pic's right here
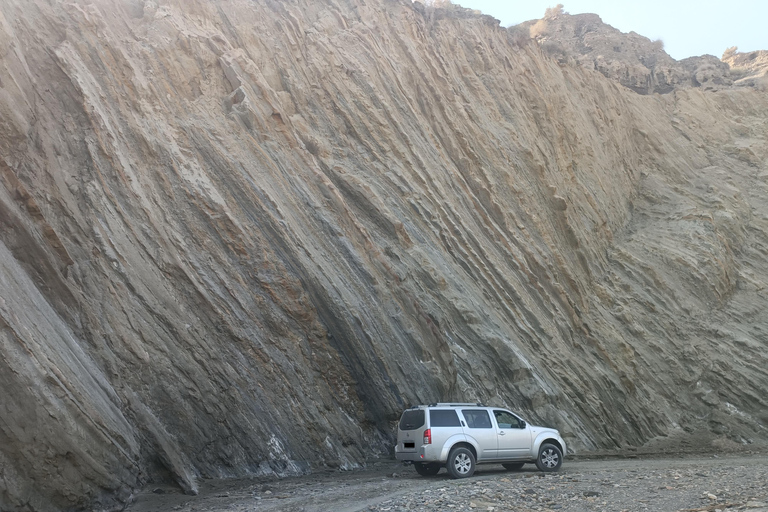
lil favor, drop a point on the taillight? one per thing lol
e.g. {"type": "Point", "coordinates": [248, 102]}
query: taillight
{"type": "Point", "coordinates": [428, 436]}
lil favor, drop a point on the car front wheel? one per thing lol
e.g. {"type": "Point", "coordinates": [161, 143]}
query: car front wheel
{"type": "Point", "coordinates": [550, 458]}
{"type": "Point", "coordinates": [427, 469]}
{"type": "Point", "coordinates": [461, 463]}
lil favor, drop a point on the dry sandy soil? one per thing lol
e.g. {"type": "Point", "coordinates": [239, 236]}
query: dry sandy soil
{"type": "Point", "coordinates": [685, 483]}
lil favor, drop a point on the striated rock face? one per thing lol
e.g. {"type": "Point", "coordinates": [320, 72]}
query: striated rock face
{"type": "Point", "coordinates": [631, 59]}
{"type": "Point", "coordinates": [238, 237]}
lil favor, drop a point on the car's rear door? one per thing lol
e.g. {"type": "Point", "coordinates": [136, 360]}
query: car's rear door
{"type": "Point", "coordinates": [443, 424]}
{"type": "Point", "coordinates": [479, 426]}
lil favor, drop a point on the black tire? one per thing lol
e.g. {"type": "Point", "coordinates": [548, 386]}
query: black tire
{"type": "Point", "coordinates": [550, 458]}
{"type": "Point", "coordinates": [427, 468]}
{"type": "Point", "coordinates": [514, 466]}
{"type": "Point", "coordinates": [461, 463]}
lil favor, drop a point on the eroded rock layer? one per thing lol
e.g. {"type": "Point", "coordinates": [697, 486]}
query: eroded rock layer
{"type": "Point", "coordinates": [238, 237]}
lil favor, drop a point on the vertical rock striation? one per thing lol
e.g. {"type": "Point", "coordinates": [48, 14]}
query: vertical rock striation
{"type": "Point", "coordinates": [239, 237]}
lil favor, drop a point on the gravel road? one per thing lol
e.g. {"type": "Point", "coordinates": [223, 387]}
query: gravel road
{"type": "Point", "coordinates": [656, 484]}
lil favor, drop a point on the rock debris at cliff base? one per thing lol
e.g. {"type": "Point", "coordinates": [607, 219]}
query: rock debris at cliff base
{"type": "Point", "coordinates": [672, 483]}
{"type": "Point", "coordinates": [238, 238]}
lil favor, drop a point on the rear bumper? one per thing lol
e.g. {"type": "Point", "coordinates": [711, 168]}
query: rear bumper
{"type": "Point", "coordinates": [424, 453]}
{"type": "Point", "coordinates": [411, 455]}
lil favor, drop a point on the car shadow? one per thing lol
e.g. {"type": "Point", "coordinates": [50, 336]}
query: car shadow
{"type": "Point", "coordinates": [488, 470]}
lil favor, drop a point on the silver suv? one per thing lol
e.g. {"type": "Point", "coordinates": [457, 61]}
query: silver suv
{"type": "Point", "coordinates": [459, 436]}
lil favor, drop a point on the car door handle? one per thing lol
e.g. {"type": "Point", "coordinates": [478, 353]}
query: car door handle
{"type": "Point", "coordinates": [502, 433]}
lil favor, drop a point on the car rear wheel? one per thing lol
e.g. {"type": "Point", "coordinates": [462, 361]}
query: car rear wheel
{"type": "Point", "coordinates": [461, 463]}
{"type": "Point", "coordinates": [514, 466]}
{"type": "Point", "coordinates": [550, 458]}
{"type": "Point", "coordinates": [427, 469]}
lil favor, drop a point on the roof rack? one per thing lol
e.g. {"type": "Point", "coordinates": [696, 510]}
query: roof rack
{"type": "Point", "coordinates": [456, 404]}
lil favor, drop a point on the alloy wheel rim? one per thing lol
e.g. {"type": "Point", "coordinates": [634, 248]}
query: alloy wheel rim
{"type": "Point", "coordinates": [462, 463]}
{"type": "Point", "coordinates": [549, 458]}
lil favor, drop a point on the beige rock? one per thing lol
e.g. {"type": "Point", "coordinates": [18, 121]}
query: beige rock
{"type": "Point", "coordinates": [239, 238]}
{"type": "Point", "coordinates": [748, 68]}
{"type": "Point", "coordinates": [631, 59]}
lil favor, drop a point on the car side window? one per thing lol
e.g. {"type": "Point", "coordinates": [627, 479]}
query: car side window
{"type": "Point", "coordinates": [443, 418]}
{"type": "Point", "coordinates": [506, 420]}
{"type": "Point", "coordinates": [477, 418]}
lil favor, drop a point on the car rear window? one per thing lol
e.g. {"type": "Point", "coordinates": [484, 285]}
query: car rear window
{"type": "Point", "coordinates": [412, 419]}
{"type": "Point", "coordinates": [443, 418]}
{"type": "Point", "coordinates": [477, 418]}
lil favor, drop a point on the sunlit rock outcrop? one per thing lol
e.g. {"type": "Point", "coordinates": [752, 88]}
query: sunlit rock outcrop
{"type": "Point", "coordinates": [748, 69]}
{"type": "Point", "coordinates": [239, 237]}
{"type": "Point", "coordinates": [631, 59]}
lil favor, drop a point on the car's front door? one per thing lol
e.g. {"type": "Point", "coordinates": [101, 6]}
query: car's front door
{"type": "Point", "coordinates": [514, 436]}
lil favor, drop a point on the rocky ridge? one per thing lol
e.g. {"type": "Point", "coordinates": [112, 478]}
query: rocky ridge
{"type": "Point", "coordinates": [748, 68]}
{"type": "Point", "coordinates": [239, 237]}
{"type": "Point", "coordinates": [631, 59]}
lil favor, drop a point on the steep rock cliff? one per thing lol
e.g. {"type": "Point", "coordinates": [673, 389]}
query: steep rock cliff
{"type": "Point", "coordinates": [240, 236]}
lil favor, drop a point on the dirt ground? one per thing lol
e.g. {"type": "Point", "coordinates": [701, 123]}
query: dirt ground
{"type": "Point", "coordinates": [679, 483]}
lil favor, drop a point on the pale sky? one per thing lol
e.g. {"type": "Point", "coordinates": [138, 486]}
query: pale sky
{"type": "Point", "coordinates": [687, 27]}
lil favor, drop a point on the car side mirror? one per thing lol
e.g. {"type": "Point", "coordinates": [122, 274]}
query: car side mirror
{"type": "Point", "coordinates": [522, 423]}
